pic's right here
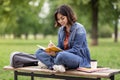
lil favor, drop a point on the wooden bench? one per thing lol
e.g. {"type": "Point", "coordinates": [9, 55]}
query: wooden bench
{"type": "Point", "coordinates": [35, 71]}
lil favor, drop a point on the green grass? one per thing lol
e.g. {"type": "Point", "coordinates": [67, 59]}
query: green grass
{"type": "Point", "coordinates": [107, 53]}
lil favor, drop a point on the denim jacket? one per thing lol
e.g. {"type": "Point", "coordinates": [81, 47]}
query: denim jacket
{"type": "Point", "coordinates": [77, 43]}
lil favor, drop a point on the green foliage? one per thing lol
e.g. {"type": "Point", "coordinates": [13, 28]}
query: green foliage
{"type": "Point", "coordinates": [105, 32]}
{"type": "Point", "coordinates": [82, 8]}
{"type": "Point", "coordinates": [21, 16]}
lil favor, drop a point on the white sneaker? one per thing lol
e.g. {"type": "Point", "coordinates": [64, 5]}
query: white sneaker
{"type": "Point", "coordinates": [42, 65]}
{"type": "Point", "coordinates": [59, 68]}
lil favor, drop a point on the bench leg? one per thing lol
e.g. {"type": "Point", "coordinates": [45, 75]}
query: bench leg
{"type": "Point", "coordinates": [15, 75]}
{"type": "Point", "coordinates": [112, 77]}
{"type": "Point", "coordinates": [32, 76]}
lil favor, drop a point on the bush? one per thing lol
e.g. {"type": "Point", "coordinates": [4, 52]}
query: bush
{"type": "Point", "coordinates": [105, 32]}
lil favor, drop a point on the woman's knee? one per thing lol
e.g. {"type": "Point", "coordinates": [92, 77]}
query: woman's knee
{"type": "Point", "coordinates": [40, 53]}
{"type": "Point", "coordinates": [61, 55]}
{"type": "Point", "coordinates": [37, 52]}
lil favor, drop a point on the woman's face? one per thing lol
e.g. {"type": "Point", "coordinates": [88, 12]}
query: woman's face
{"type": "Point", "coordinates": [62, 20]}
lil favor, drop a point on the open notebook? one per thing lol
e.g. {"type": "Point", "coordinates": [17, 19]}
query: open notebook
{"type": "Point", "coordinates": [48, 49]}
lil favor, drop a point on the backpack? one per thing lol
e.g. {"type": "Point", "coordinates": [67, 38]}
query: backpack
{"type": "Point", "coordinates": [20, 59]}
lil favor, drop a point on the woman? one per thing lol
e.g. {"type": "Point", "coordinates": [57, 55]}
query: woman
{"type": "Point", "coordinates": [71, 39]}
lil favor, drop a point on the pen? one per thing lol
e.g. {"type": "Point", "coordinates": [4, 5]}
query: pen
{"type": "Point", "coordinates": [50, 41]}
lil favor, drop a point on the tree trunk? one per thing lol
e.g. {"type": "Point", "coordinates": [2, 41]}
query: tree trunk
{"type": "Point", "coordinates": [116, 31]}
{"type": "Point", "coordinates": [26, 36]}
{"type": "Point", "coordinates": [116, 25]}
{"type": "Point", "coordinates": [94, 35]}
{"type": "Point", "coordinates": [35, 36]}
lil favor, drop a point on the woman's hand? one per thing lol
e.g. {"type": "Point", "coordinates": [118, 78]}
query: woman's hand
{"type": "Point", "coordinates": [51, 53]}
{"type": "Point", "coordinates": [51, 44]}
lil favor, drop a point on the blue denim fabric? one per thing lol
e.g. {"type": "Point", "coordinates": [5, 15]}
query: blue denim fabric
{"type": "Point", "coordinates": [45, 58]}
{"type": "Point", "coordinates": [77, 55]}
{"type": "Point", "coordinates": [77, 43]}
{"type": "Point", "coordinates": [69, 60]}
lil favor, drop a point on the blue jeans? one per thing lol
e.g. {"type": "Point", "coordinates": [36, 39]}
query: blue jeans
{"type": "Point", "coordinates": [69, 60]}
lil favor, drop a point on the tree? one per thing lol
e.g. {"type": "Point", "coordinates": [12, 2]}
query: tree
{"type": "Point", "coordinates": [94, 4]}
{"type": "Point", "coordinates": [109, 14]}
{"type": "Point", "coordinates": [116, 8]}
{"type": "Point", "coordinates": [20, 16]}
{"type": "Point", "coordinates": [88, 9]}
{"type": "Point", "coordinates": [99, 10]}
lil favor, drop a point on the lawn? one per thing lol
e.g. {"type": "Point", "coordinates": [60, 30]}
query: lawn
{"type": "Point", "coordinates": [107, 53]}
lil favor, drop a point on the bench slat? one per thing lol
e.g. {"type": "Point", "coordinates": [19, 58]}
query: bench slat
{"type": "Point", "coordinates": [99, 74]}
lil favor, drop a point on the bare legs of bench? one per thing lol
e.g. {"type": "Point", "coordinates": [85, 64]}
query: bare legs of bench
{"type": "Point", "coordinates": [32, 75]}
{"type": "Point", "coordinates": [15, 75]}
{"type": "Point", "coordinates": [112, 77]}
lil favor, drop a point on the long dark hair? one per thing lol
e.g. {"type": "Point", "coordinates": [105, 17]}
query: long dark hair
{"type": "Point", "coordinates": [65, 11]}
